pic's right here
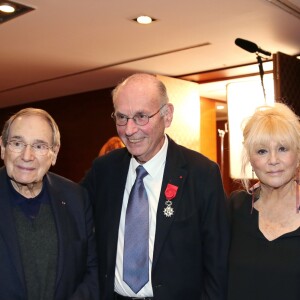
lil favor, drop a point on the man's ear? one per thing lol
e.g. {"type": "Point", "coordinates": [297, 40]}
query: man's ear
{"type": "Point", "coordinates": [168, 114]}
{"type": "Point", "coordinates": [55, 151]}
{"type": "Point", "coordinates": [2, 148]}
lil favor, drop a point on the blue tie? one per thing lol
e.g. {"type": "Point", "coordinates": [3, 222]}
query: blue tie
{"type": "Point", "coordinates": [136, 238]}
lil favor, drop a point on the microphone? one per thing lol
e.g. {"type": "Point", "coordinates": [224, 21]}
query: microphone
{"type": "Point", "coordinates": [251, 47]}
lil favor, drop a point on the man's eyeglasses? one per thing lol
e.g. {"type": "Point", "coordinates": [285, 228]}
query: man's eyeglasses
{"type": "Point", "coordinates": [139, 119]}
{"type": "Point", "coordinates": [19, 146]}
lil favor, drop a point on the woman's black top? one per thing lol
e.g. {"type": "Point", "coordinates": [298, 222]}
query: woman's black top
{"type": "Point", "coordinates": [260, 269]}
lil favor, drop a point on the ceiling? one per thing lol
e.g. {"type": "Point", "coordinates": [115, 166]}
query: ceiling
{"type": "Point", "coordinates": [64, 47]}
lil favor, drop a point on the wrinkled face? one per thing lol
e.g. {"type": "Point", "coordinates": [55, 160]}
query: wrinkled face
{"type": "Point", "coordinates": [143, 142]}
{"type": "Point", "coordinates": [275, 164]}
{"type": "Point", "coordinates": [27, 166]}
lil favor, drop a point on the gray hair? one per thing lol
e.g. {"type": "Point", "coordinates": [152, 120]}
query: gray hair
{"type": "Point", "coordinates": [32, 112]}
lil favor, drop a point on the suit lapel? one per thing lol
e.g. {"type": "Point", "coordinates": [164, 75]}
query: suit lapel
{"type": "Point", "coordinates": [58, 206]}
{"type": "Point", "coordinates": [114, 207]}
{"type": "Point", "coordinates": [8, 229]}
{"type": "Point", "coordinates": [174, 174]}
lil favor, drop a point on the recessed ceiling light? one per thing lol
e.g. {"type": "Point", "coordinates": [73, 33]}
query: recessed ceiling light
{"type": "Point", "coordinates": [144, 20]}
{"type": "Point", "coordinates": [10, 10]}
{"type": "Point", "coordinates": [7, 8]}
{"type": "Point", "coordinates": [220, 107]}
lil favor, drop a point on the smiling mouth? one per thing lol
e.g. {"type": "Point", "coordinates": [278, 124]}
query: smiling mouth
{"type": "Point", "coordinates": [134, 141]}
{"type": "Point", "coordinates": [25, 168]}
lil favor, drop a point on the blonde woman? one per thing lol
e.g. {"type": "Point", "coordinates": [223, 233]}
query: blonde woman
{"type": "Point", "coordinates": [265, 247]}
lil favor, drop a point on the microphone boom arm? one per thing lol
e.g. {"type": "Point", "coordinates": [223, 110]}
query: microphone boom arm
{"type": "Point", "coordinates": [261, 72]}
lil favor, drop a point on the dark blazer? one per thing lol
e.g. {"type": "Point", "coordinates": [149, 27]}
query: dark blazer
{"type": "Point", "coordinates": [191, 247]}
{"type": "Point", "coordinates": [77, 264]}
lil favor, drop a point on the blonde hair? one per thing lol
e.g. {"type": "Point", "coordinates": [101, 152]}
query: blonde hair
{"type": "Point", "coordinates": [269, 123]}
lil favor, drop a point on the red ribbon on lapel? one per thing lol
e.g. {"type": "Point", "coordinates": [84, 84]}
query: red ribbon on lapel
{"type": "Point", "coordinates": [171, 191]}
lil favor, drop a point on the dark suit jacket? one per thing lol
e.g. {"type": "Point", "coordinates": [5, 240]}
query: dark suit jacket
{"type": "Point", "coordinates": [77, 264]}
{"type": "Point", "coordinates": [190, 251]}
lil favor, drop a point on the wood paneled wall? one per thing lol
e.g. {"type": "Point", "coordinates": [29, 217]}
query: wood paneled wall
{"type": "Point", "coordinates": [85, 125]}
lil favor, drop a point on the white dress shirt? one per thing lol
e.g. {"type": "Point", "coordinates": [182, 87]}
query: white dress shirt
{"type": "Point", "coordinates": [153, 181]}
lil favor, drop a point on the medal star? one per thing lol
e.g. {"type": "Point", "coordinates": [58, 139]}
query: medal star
{"type": "Point", "coordinates": [168, 211]}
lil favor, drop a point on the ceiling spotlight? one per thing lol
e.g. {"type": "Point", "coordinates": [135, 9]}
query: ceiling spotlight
{"type": "Point", "coordinates": [7, 8]}
{"type": "Point", "coordinates": [10, 10]}
{"type": "Point", "coordinates": [144, 20]}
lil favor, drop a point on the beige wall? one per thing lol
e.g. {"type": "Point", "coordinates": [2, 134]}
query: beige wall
{"type": "Point", "coordinates": [194, 125]}
{"type": "Point", "coordinates": [185, 128]}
